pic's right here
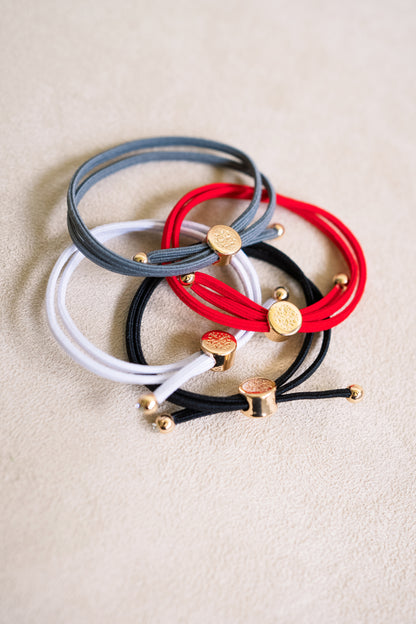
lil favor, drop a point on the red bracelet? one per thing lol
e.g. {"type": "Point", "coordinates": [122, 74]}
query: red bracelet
{"type": "Point", "coordinates": [243, 313]}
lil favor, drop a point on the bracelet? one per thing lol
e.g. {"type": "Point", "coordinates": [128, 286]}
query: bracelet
{"type": "Point", "coordinates": [197, 405]}
{"type": "Point", "coordinates": [181, 259]}
{"type": "Point", "coordinates": [97, 361]}
{"type": "Point", "coordinates": [283, 319]}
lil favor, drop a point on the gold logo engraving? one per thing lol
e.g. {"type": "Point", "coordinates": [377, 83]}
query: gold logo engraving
{"type": "Point", "coordinates": [217, 341]}
{"type": "Point", "coordinates": [224, 240]}
{"type": "Point", "coordinates": [257, 385]}
{"type": "Point", "coordinates": [285, 318]}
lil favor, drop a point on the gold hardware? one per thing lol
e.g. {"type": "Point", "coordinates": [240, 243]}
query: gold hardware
{"type": "Point", "coordinates": [225, 241]}
{"type": "Point", "coordinates": [141, 257]}
{"type": "Point", "coordinates": [261, 397]}
{"type": "Point", "coordinates": [188, 279]}
{"type": "Point", "coordinates": [280, 293]}
{"type": "Point", "coordinates": [357, 393]}
{"type": "Point", "coordinates": [221, 346]}
{"type": "Point", "coordinates": [285, 320]}
{"type": "Point", "coordinates": [165, 423]}
{"type": "Point", "coordinates": [341, 280]}
{"type": "Point", "coordinates": [280, 230]}
{"type": "Point", "coordinates": [148, 403]}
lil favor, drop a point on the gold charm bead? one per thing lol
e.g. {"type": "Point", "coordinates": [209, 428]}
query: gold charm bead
{"type": "Point", "coordinates": [164, 423]}
{"type": "Point", "coordinates": [341, 279]}
{"type": "Point", "coordinates": [188, 279]}
{"type": "Point", "coordinates": [280, 230]}
{"type": "Point", "coordinates": [221, 346]}
{"type": "Point", "coordinates": [357, 393]}
{"type": "Point", "coordinates": [280, 293]}
{"type": "Point", "coordinates": [147, 403]}
{"type": "Point", "coordinates": [285, 320]}
{"type": "Point", "coordinates": [225, 241]}
{"type": "Point", "coordinates": [141, 257]}
{"type": "Point", "coordinates": [261, 397]}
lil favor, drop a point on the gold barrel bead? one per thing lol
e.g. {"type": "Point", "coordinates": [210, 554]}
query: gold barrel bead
{"type": "Point", "coordinates": [260, 394]}
{"type": "Point", "coordinates": [221, 346]}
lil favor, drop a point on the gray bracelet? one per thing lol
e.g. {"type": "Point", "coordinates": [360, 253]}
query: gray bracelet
{"type": "Point", "coordinates": [186, 259]}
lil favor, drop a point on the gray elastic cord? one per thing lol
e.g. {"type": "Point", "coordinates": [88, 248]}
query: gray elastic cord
{"type": "Point", "coordinates": [249, 237]}
{"type": "Point", "coordinates": [190, 258]}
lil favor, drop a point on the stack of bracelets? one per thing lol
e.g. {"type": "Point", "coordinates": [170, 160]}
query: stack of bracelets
{"type": "Point", "coordinates": [242, 313]}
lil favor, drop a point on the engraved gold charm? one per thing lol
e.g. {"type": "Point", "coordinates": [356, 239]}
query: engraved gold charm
{"type": "Point", "coordinates": [221, 346]}
{"type": "Point", "coordinates": [261, 397]}
{"type": "Point", "coordinates": [285, 319]}
{"type": "Point", "coordinates": [225, 241]}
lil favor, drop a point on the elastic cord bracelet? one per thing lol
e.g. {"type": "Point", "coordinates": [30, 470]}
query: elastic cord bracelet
{"type": "Point", "coordinates": [331, 310]}
{"type": "Point", "coordinates": [182, 259]}
{"type": "Point", "coordinates": [171, 376]}
{"type": "Point", "coordinates": [198, 405]}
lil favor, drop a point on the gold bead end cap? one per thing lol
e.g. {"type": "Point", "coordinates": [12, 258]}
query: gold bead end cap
{"type": "Point", "coordinates": [260, 394]}
{"type": "Point", "coordinates": [280, 293]}
{"type": "Point", "coordinates": [357, 393]}
{"type": "Point", "coordinates": [164, 423]}
{"type": "Point", "coordinates": [225, 242]}
{"type": "Point", "coordinates": [279, 228]}
{"type": "Point", "coordinates": [221, 346]}
{"type": "Point", "coordinates": [141, 257]}
{"type": "Point", "coordinates": [285, 319]}
{"type": "Point", "coordinates": [341, 279]}
{"type": "Point", "coordinates": [147, 403]}
{"type": "Point", "coordinates": [187, 280]}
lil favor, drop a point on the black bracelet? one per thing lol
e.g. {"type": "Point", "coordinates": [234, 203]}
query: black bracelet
{"type": "Point", "coordinates": [197, 405]}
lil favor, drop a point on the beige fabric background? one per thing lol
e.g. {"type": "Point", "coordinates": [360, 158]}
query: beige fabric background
{"type": "Point", "coordinates": [308, 517]}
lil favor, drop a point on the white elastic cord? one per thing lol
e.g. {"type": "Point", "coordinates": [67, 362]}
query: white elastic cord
{"type": "Point", "coordinates": [105, 365]}
{"type": "Point", "coordinates": [268, 303]}
{"type": "Point", "coordinates": [201, 365]}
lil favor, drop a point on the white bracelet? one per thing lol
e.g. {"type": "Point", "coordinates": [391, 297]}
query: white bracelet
{"type": "Point", "coordinates": [171, 376]}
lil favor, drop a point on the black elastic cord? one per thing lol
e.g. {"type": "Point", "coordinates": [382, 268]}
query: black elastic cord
{"type": "Point", "coordinates": [197, 405]}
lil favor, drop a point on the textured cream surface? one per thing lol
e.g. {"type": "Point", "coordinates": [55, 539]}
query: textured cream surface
{"type": "Point", "coordinates": [306, 517]}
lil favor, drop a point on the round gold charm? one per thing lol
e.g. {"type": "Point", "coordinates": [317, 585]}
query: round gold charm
{"type": "Point", "coordinates": [261, 396]}
{"type": "Point", "coordinates": [285, 319]}
{"type": "Point", "coordinates": [222, 346]}
{"type": "Point", "coordinates": [225, 241]}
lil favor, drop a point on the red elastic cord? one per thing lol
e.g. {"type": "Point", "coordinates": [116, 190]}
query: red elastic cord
{"type": "Point", "coordinates": [243, 313]}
